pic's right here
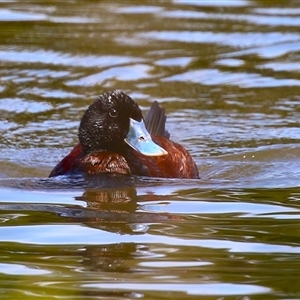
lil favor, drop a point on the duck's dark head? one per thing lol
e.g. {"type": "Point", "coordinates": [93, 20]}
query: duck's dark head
{"type": "Point", "coordinates": [114, 121]}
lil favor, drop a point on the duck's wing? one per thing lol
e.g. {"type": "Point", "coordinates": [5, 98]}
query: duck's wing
{"type": "Point", "coordinates": [155, 121]}
{"type": "Point", "coordinates": [69, 163]}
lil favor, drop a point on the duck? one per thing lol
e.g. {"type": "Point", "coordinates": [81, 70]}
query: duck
{"type": "Point", "coordinates": [115, 138]}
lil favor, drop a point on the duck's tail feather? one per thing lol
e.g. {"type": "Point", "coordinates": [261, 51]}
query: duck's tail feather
{"type": "Point", "coordinates": [155, 121]}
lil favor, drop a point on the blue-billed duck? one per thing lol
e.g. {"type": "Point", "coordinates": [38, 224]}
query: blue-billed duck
{"type": "Point", "coordinates": [115, 138]}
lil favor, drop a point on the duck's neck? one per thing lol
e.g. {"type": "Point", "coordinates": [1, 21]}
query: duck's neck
{"type": "Point", "coordinates": [135, 164]}
{"type": "Point", "coordinates": [88, 148]}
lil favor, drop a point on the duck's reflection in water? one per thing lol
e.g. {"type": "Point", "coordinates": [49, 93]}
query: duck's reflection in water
{"type": "Point", "coordinates": [110, 203]}
{"type": "Point", "coordinates": [115, 206]}
{"type": "Point", "coordinates": [120, 258]}
{"type": "Point", "coordinates": [118, 210]}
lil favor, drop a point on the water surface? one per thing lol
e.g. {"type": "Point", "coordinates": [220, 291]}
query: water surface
{"type": "Point", "coordinates": [227, 73]}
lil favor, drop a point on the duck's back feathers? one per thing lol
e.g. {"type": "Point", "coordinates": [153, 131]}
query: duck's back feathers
{"type": "Point", "coordinates": [69, 163]}
{"type": "Point", "coordinates": [177, 164]}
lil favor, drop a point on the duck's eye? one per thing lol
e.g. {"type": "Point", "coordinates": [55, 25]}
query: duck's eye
{"type": "Point", "coordinates": [113, 113]}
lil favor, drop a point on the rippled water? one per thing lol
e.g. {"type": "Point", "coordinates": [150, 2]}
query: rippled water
{"type": "Point", "coordinates": [227, 73]}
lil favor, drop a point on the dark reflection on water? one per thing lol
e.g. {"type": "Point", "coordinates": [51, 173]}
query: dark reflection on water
{"type": "Point", "coordinates": [227, 73]}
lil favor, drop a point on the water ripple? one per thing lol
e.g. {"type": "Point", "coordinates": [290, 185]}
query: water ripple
{"type": "Point", "coordinates": [216, 77]}
{"type": "Point", "coordinates": [57, 58]}
{"type": "Point", "coordinates": [234, 39]}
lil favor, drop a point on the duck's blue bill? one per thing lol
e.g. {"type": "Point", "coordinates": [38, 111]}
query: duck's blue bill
{"type": "Point", "coordinates": [140, 140]}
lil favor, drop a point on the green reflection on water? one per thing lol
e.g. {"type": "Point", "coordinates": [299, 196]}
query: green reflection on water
{"type": "Point", "coordinates": [228, 78]}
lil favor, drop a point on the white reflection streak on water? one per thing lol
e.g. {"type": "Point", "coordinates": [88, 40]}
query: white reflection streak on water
{"type": "Point", "coordinates": [76, 235]}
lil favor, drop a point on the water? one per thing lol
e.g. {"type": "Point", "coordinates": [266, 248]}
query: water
{"type": "Point", "coordinates": [227, 73]}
